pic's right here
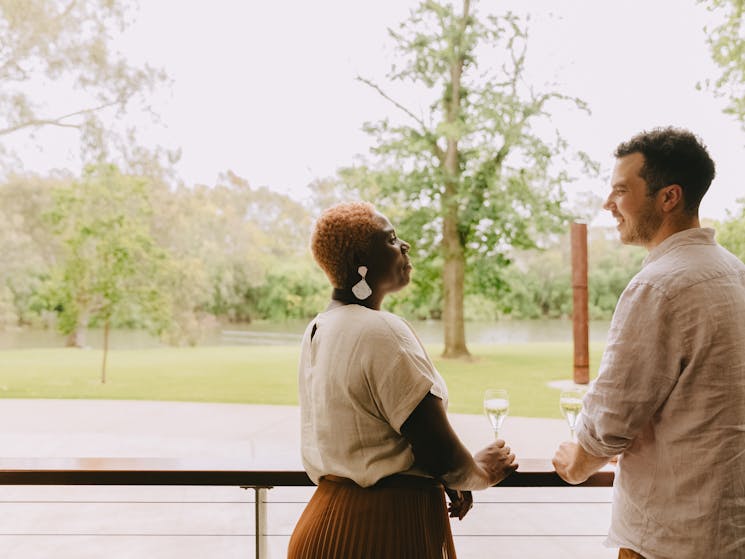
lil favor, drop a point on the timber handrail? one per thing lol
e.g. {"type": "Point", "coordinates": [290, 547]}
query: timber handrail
{"type": "Point", "coordinates": [163, 471]}
{"type": "Point", "coordinates": [185, 472]}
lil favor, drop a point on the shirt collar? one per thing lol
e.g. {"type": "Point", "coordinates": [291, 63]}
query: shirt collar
{"type": "Point", "coordinates": [693, 236]}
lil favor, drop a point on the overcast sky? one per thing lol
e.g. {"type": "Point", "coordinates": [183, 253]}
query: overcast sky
{"type": "Point", "coordinates": [267, 89]}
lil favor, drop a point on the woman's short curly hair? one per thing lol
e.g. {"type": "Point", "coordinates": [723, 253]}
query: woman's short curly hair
{"type": "Point", "coordinates": [341, 232]}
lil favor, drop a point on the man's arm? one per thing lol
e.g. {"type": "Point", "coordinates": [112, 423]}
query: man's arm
{"type": "Point", "coordinates": [574, 464]}
{"type": "Point", "coordinates": [639, 368]}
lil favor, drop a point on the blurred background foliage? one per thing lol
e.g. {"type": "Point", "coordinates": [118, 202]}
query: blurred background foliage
{"type": "Point", "coordinates": [123, 243]}
{"type": "Point", "coordinates": [235, 253]}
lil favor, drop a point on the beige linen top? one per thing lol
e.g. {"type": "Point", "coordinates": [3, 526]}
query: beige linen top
{"type": "Point", "coordinates": [670, 397]}
{"type": "Point", "coordinates": [360, 377]}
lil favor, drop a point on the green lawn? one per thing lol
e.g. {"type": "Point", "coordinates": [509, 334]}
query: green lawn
{"type": "Point", "coordinates": [267, 375]}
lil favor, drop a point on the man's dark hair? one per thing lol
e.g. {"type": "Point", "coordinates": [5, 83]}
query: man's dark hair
{"type": "Point", "coordinates": [673, 156]}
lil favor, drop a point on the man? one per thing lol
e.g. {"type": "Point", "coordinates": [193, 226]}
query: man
{"type": "Point", "coordinates": [670, 395]}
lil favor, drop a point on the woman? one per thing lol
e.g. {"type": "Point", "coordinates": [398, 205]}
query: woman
{"type": "Point", "coordinates": [375, 435]}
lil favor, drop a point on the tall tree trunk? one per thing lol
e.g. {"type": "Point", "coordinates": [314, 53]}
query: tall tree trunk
{"type": "Point", "coordinates": [453, 250]}
{"type": "Point", "coordinates": [105, 350]}
{"type": "Point", "coordinates": [78, 338]}
{"type": "Point", "coordinates": [453, 275]}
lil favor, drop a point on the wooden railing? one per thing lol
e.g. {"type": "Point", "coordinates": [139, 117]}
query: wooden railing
{"type": "Point", "coordinates": [169, 472]}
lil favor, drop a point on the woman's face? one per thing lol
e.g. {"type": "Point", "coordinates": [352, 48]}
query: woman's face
{"type": "Point", "coordinates": [388, 266]}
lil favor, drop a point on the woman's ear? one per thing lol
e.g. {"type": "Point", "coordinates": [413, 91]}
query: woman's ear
{"type": "Point", "coordinates": [358, 259]}
{"type": "Point", "coordinates": [353, 265]}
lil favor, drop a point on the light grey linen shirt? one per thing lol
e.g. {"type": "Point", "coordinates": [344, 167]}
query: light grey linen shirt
{"type": "Point", "coordinates": [670, 398]}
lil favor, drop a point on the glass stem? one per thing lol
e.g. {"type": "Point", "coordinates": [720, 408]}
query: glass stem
{"type": "Point", "coordinates": [572, 435]}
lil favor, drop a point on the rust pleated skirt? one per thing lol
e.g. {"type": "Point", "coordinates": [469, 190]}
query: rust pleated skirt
{"type": "Point", "coordinates": [402, 517]}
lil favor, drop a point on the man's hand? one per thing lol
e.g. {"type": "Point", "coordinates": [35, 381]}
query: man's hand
{"type": "Point", "coordinates": [574, 464]}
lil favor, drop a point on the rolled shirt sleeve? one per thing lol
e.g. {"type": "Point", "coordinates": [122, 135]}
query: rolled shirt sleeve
{"type": "Point", "coordinates": [640, 366]}
{"type": "Point", "coordinates": [399, 373]}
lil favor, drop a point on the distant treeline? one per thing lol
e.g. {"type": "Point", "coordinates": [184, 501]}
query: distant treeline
{"type": "Point", "coordinates": [140, 253]}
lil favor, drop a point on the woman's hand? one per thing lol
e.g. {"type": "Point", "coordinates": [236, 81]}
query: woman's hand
{"type": "Point", "coordinates": [439, 451]}
{"type": "Point", "coordinates": [497, 460]}
{"type": "Point", "coordinates": [460, 502]}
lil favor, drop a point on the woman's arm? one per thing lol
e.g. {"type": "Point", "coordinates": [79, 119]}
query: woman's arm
{"type": "Point", "coordinates": [439, 451]}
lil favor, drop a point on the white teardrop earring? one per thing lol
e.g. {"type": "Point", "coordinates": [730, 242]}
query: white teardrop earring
{"type": "Point", "coordinates": [361, 289]}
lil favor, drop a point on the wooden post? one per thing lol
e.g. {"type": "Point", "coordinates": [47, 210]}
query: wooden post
{"type": "Point", "coordinates": [580, 305]}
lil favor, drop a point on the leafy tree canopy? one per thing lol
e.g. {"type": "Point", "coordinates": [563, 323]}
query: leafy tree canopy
{"type": "Point", "coordinates": [731, 232]}
{"type": "Point", "coordinates": [66, 45]}
{"type": "Point", "coordinates": [727, 45]}
{"type": "Point", "coordinates": [478, 170]}
{"type": "Point", "coordinates": [111, 266]}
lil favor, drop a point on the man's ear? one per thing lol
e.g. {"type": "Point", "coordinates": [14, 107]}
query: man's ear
{"type": "Point", "coordinates": [671, 197]}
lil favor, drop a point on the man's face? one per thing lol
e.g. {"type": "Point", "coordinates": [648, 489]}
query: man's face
{"type": "Point", "coordinates": [635, 211]}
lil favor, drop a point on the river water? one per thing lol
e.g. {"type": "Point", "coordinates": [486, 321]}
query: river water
{"type": "Point", "coordinates": [282, 333]}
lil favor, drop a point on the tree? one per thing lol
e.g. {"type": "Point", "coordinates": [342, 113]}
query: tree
{"type": "Point", "coordinates": [727, 46]}
{"type": "Point", "coordinates": [28, 248]}
{"type": "Point", "coordinates": [230, 241]}
{"type": "Point", "coordinates": [471, 177]}
{"type": "Point", "coordinates": [293, 289]}
{"type": "Point", "coordinates": [112, 268]}
{"type": "Point", "coordinates": [731, 232]}
{"type": "Point", "coordinates": [65, 45]}
{"type": "Point", "coordinates": [540, 280]}
{"type": "Point", "coordinates": [611, 267]}
{"type": "Point", "coordinates": [540, 283]}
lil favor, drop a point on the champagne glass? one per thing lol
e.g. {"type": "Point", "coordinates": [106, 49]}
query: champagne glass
{"type": "Point", "coordinates": [570, 404]}
{"type": "Point", "coordinates": [496, 406]}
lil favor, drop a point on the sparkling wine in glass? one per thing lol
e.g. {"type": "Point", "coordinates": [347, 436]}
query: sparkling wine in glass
{"type": "Point", "coordinates": [496, 407]}
{"type": "Point", "coordinates": [570, 403]}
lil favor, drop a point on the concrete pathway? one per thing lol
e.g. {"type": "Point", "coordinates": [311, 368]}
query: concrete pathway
{"type": "Point", "coordinates": [162, 522]}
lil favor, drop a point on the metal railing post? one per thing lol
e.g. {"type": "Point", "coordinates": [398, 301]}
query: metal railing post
{"type": "Point", "coordinates": [260, 520]}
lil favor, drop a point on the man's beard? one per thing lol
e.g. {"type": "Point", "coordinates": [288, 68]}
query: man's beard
{"type": "Point", "coordinates": [644, 227]}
